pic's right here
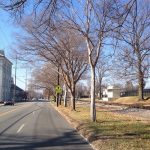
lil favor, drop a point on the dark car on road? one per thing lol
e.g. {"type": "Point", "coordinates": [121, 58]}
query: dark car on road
{"type": "Point", "coordinates": [8, 102]}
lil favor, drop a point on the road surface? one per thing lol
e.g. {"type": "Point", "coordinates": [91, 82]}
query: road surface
{"type": "Point", "coordinates": [37, 126]}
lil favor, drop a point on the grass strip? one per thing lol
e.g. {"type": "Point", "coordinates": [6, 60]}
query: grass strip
{"type": "Point", "coordinates": [111, 131]}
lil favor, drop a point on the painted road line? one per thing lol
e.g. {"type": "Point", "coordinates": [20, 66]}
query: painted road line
{"type": "Point", "coordinates": [21, 127]}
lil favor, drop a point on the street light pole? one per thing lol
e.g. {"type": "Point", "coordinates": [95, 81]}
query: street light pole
{"type": "Point", "coordinates": [14, 97]}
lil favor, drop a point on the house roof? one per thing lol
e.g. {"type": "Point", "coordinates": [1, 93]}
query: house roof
{"type": "Point", "coordinates": [2, 55]}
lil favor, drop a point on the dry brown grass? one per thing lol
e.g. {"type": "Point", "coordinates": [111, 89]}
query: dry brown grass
{"type": "Point", "coordinates": [131, 100]}
{"type": "Point", "coordinates": [111, 131]}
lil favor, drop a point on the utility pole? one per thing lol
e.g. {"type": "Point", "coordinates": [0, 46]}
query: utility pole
{"type": "Point", "coordinates": [14, 96]}
{"type": "Point", "coordinates": [58, 84]}
{"type": "Point", "coordinates": [26, 80]}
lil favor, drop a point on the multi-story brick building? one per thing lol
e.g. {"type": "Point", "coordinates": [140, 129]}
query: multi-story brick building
{"type": "Point", "coordinates": [5, 77]}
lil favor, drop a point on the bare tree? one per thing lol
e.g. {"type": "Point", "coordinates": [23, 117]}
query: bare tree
{"type": "Point", "coordinates": [134, 36]}
{"type": "Point", "coordinates": [64, 48]}
{"type": "Point", "coordinates": [41, 9]}
{"type": "Point", "coordinates": [46, 78]}
{"type": "Point", "coordinates": [102, 68]}
{"type": "Point", "coordinates": [94, 22]}
{"type": "Point", "coordinates": [129, 86]}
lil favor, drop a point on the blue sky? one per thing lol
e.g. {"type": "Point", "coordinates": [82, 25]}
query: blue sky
{"type": "Point", "coordinates": [7, 40]}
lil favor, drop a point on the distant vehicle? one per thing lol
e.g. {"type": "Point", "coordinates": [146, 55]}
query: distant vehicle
{"type": "Point", "coordinates": [8, 102]}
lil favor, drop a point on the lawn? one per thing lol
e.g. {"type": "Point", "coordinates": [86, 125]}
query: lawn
{"type": "Point", "coordinates": [111, 131]}
{"type": "Point", "coordinates": [132, 100]}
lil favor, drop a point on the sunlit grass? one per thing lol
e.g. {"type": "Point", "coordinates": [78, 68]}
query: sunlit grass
{"type": "Point", "coordinates": [111, 131]}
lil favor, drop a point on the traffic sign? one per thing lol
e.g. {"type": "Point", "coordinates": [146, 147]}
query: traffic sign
{"type": "Point", "coordinates": [58, 89]}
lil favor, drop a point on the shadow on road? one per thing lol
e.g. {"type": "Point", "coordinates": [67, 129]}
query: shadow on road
{"type": "Point", "coordinates": [67, 141]}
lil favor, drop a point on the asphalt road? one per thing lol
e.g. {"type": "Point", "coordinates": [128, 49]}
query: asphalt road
{"type": "Point", "coordinates": [37, 126]}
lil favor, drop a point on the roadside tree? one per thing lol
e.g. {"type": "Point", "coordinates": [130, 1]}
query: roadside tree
{"type": "Point", "coordinates": [103, 67]}
{"type": "Point", "coordinates": [134, 51]}
{"type": "Point", "coordinates": [95, 22]}
{"type": "Point", "coordinates": [93, 19]}
{"type": "Point", "coordinates": [61, 47]}
{"type": "Point", "coordinates": [46, 78]}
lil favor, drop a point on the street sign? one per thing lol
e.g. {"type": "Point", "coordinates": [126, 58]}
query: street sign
{"type": "Point", "coordinates": [58, 89]}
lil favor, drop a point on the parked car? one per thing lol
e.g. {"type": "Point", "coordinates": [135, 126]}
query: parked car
{"type": "Point", "coordinates": [8, 102]}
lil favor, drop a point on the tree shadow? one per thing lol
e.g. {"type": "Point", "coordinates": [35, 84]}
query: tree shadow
{"type": "Point", "coordinates": [69, 140]}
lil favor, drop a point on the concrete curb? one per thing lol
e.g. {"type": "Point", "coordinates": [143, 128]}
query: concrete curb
{"type": "Point", "coordinates": [68, 120]}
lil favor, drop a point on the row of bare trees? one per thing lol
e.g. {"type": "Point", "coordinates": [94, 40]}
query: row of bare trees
{"type": "Point", "coordinates": [61, 47]}
{"type": "Point", "coordinates": [45, 78]}
{"type": "Point", "coordinates": [73, 34]}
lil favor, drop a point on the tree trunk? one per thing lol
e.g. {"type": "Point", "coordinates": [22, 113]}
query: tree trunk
{"type": "Point", "coordinates": [141, 86]}
{"type": "Point", "coordinates": [57, 99]}
{"type": "Point", "coordinates": [140, 78]}
{"type": "Point", "coordinates": [73, 108]}
{"type": "Point", "coordinates": [60, 96]}
{"type": "Point", "coordinates": [65, 96]}
{"type": "Point", "coordinates": [48, 94]}
{"type": "Point", "coordinates": [100, 89]}
{"type": "Point", "coordinates": [93, 107]}
{"type": "Point", "coordinates": [65, 99]}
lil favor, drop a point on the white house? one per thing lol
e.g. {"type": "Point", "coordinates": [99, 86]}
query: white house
{"type": "Point", "coordinates": [111, 93]}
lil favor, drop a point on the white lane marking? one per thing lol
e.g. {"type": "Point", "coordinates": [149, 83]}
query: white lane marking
{"type": "Point", "coordinates": [33, 113]}
{"type": "Point", "coordinates": [21, 127]}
